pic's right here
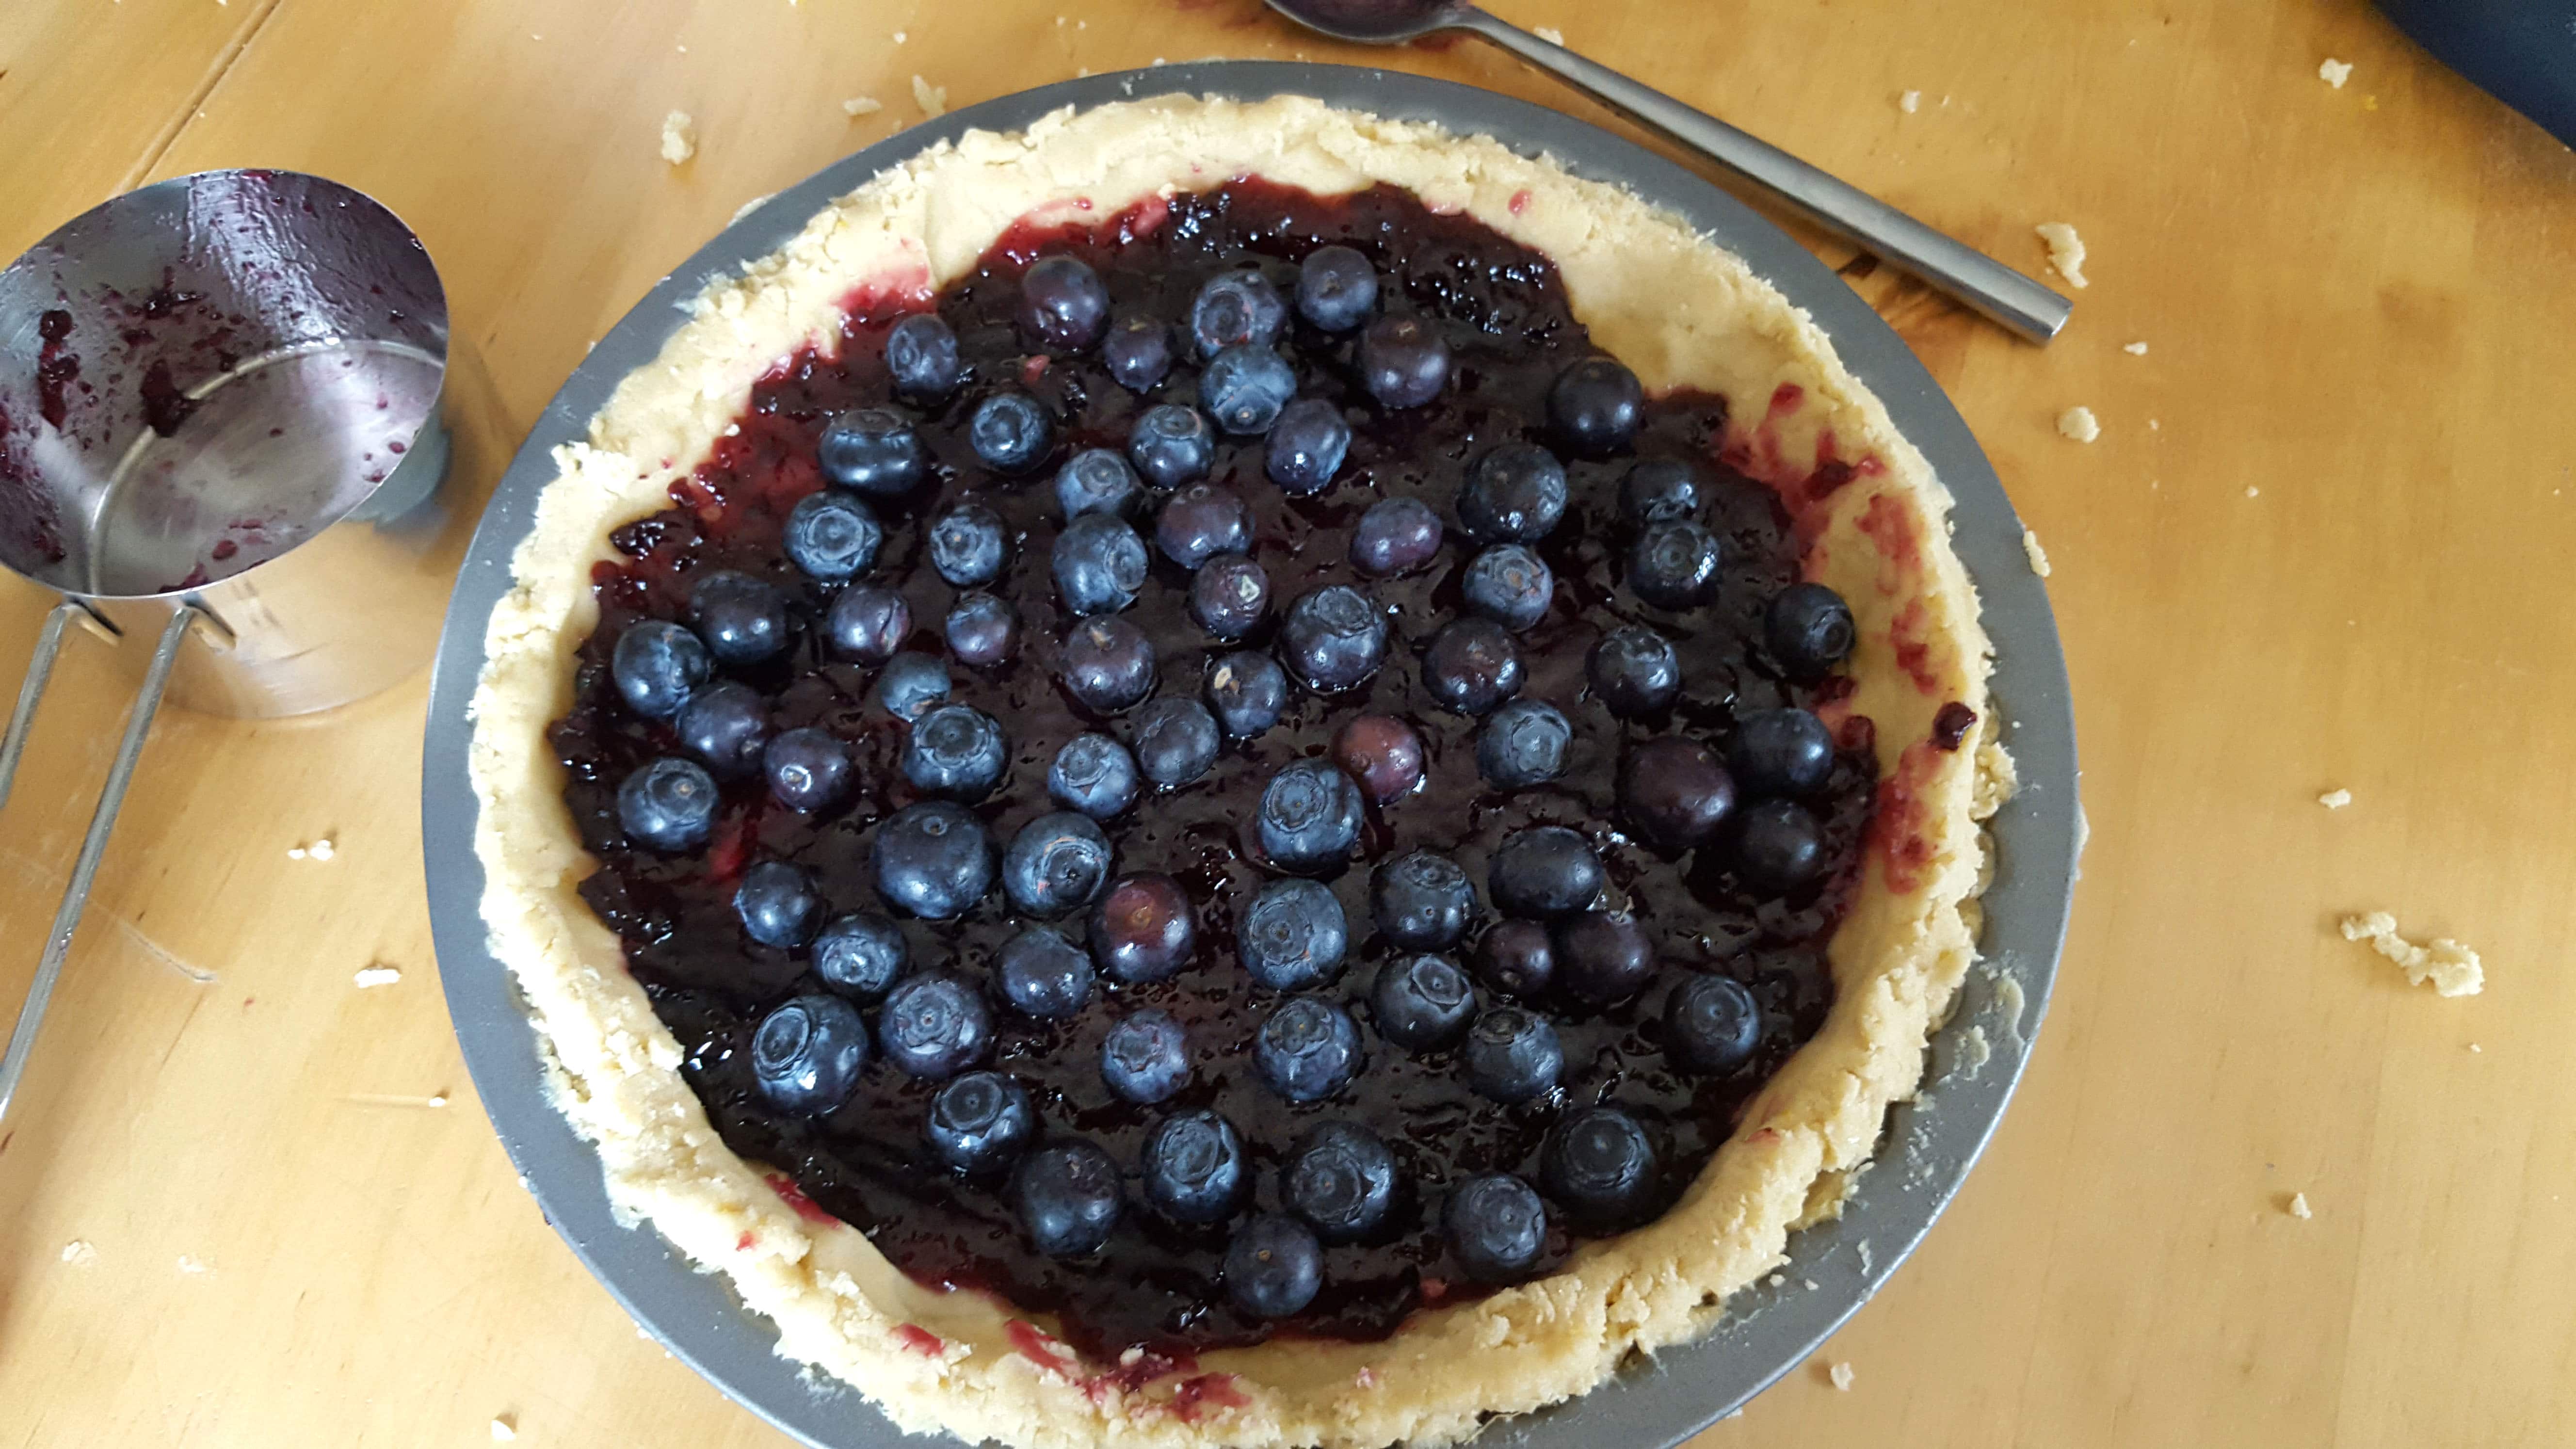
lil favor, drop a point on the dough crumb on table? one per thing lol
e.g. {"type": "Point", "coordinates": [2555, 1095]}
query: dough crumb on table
{"type": "Point", "coordinates": [862, 106]}
{"type": "Point", "coordinates": [2038, 556]}
{"type": "Point", "coordinates": [2080, 424]}
{"type": "Point", "coordinates": [1841, 1374]}
{"type": "Point", "coordinates": [2297, 1206]}
{"type": "Point", "coordinates": [932, 99]}
{"type": "Point", "coordinates": [2065, 251]}
{"type": "Point", "coordinates": [679, 137]}
{"type": "Point", "coordinates": [2335, 72]}
{"type": "Point", "coordinates": [2453, 969]}
{"type": "Point", "coordinates": [2335, 799]}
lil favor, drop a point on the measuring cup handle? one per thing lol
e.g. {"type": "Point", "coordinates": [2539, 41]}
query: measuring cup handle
{"type": "Point", "coordinates": [138, 725]}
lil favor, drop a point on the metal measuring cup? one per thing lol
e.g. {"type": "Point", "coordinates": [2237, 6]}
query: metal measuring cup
{"type": "Point", "coordinates": [229, 413]}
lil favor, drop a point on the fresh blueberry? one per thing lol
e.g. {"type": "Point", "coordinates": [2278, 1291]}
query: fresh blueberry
{"type": "Point", "coordinates": [873, 451]}
{"type": "Point", "coordinates": [934, 859]}
{"type": "Point", "coordinates": [1245, 388]}
{"type": "Point", "coordinates": [1659, 490]}
{"type": "Point", "coordinates": [658, 665]}
{"type": "Point", "coordinates": [1309, 820]}
{"type": "Point", "coordinates": [1010, 431]}
{"type": "Point", "coordinates": [1108, 664]}
{"type": "Point", "coordinates": [912, 685]}
{"type": "Point", "coordinates": [982, 629]}
{"type": "Point", "coordinates": [1228, 595]}
{"type": "Point", "coordinates": [1603, 956]}
{"type": "Point", "coordinates": [778, 904]}
{"type": "Point", "coordinates": [1202, 521]}
{"type": "Point", "coordinates": [1421, 900]}
{"type": "Point", "coordinates": [861, 954]}
{"type": "Point", "coordinates": [1509, 584]}
{"type": "Point", "coordinates": [1781, 752]}
{"type": "Point", "coordinates": [727, 726]}
{"type": "Point", "coordinates": [1336, 288]}
{"type": "Point", "coordinates": [1395, 536]}
{"type": "Point", "coordinates": [921, 357]}
{"type": "Point", "coordinates": [1512, 1056]}
{"type": "Point", "coordinates": [979, 1122]}
{"type": "Point", "coordinates": [1634, 671]}
{"type": "Point", "coordinates": [1778, 846]}
{"type": "Point", "coordinates": [867, 625]}
{"type": "Point", "coordinates": [1809, 629]}
{"type": "Point", "coordinates": [1674, 565]}
{"type": "Point", "coordinates": [668, 805]}
{"type": "Point", "coordinates": [1142, 929]}
{"type": "Point", "coordinates": [1273, 1267]}
{"type": "Point", "coordinates": [1711, 1024]}
{"type": "Point", "coordinates": [1041, 974]}
{"type": "Point", "coordinates": [1497, 1227]}
{"type": "Point", "coordinates": [1194, 1168]}
{"type": "Point", "coordinates": [1333, 638]}
{"type": "Point", "coordinates": [1248, 692]}
{"type": "Point", "coordinates": [1145, 1058]}
{"type": "Point", "coordinates": [833, 535]}
{"type": "Point", "coordinates": [934, 1026]}
{"type": "Point", "coordinates": [1593, 406]}
{"type": "Point", "coordinates": [1176, 741]}
{"type": "Point", "coordinates": [1095, 480]}
{"type": "Point", "coordinates": [1516, 493]}
{"type": "Point", "coordinates": [1543, 872]}
{"type": "Point", "coordinates": [1056, 865]}
{"type": "Point", "coordinates": [1137, 352]}
{"type": "Point", "coordinates": [1675, 792]}
{"type": "Point", "coordinates": [1421, 1003]}
{"type": "Point", "coordinates": [1517, 959]}
{"type": "Point", "coordinates": [1600, 1166]}
{"type": "Point", "coordinates": [1293, 936]}
{"type": "Point", "coordinates": [1523, 743]}
{"type": "Point", "coordinates": [807, 1054]}
{"type": "Point", "coordinates": [1063, 305]}
{"type": "Point", "coordinates": [1093, 774]}
{"type": "Point", "coordinates": [1471, 665]}
{"type": "Point", "coordinates": [1382, 753]}
{"type": "Point", "coordinates": [1306, 1049]}
{"type": "Point", "coordinates": [1236, 309]}
{"type": "Point", "coordinates": [967, 543]}
{"type": "Point", "coordinates": [743, 619]}
{"type": "Point", "coordinates": [808, 769]}
{"type": "Point", "coordinates": [1099, 564]}
{"type": "Point", "coordinates": [1404, 362]}
{"type": "Point", "coordinates": [1068, 1197]}
{"type": "Point", "coordinates": [1341, 1179]}
{"type": "Point", "coordinates": [1306, 446]}
{"type": "Point", "coordinates": [956, 750]}
{"type": "Point", "coordinates": [1172, 445]}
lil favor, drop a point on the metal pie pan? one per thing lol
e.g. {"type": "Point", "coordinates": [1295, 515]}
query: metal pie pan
{"type": "Point", "coordinates": [1769, 1328]}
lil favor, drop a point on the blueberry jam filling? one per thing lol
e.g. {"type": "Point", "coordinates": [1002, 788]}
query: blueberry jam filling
{"type": "Point", "coordinates": [948, 890]}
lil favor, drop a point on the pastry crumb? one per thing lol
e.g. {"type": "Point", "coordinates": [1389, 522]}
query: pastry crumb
{"type": "Point", "coordinates": [2135, 349]}
{"type": "Point", "coordinates": [2335, 72]}
{"type": "Point", "coordinates": [379, 974]}
{"type": "Point", "coordinates": [1910, 102]}
{"type": "Point", "coordinates": [2451, 968]}
{"type": "Point", "coordinates": [2038, 556]}
{"type": "Point", "coordinates": [1842, 1376]}
{"type": "Point", "coordinates": [503, 1431]}
{"type": "Point", "coordinates": [2080, 424]}
{"type": "Point", "coordinates": [79, 1253]}
{"type": "Point", "coordinates": [679, 137]}
{"type": "Point", "coordinates": [2065, 251]}
{"type": "Point", "coordinates": [1550, 34]}
{"type": "Point", "coordinates": [862, 106]}
{"type": "Point", "coordinates": [2335, 799]}
{"type": "Point", "coordinates": [2297, 1206]}
{"type": "Point", "coordinates": [191, 1265]}
{"type": "Point", "coordinates": [932, 99]}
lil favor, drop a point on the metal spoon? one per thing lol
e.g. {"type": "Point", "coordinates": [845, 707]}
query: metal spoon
{"type": "Point", "coordinates": [2013, 301]}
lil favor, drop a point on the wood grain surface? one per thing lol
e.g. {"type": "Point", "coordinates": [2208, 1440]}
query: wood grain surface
{"type": "Point", "coordinates": [2324, 541]}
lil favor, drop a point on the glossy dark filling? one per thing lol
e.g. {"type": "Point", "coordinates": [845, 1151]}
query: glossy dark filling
{"type": "Point", "coordinates": [1506, 317]}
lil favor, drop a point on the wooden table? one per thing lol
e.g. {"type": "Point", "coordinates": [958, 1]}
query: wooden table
{"type": "Point", "coordinates": [2356, 301]}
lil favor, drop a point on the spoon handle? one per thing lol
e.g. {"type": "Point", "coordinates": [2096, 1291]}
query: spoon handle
{"type": "Point", "coordinates": [2015, 302]}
